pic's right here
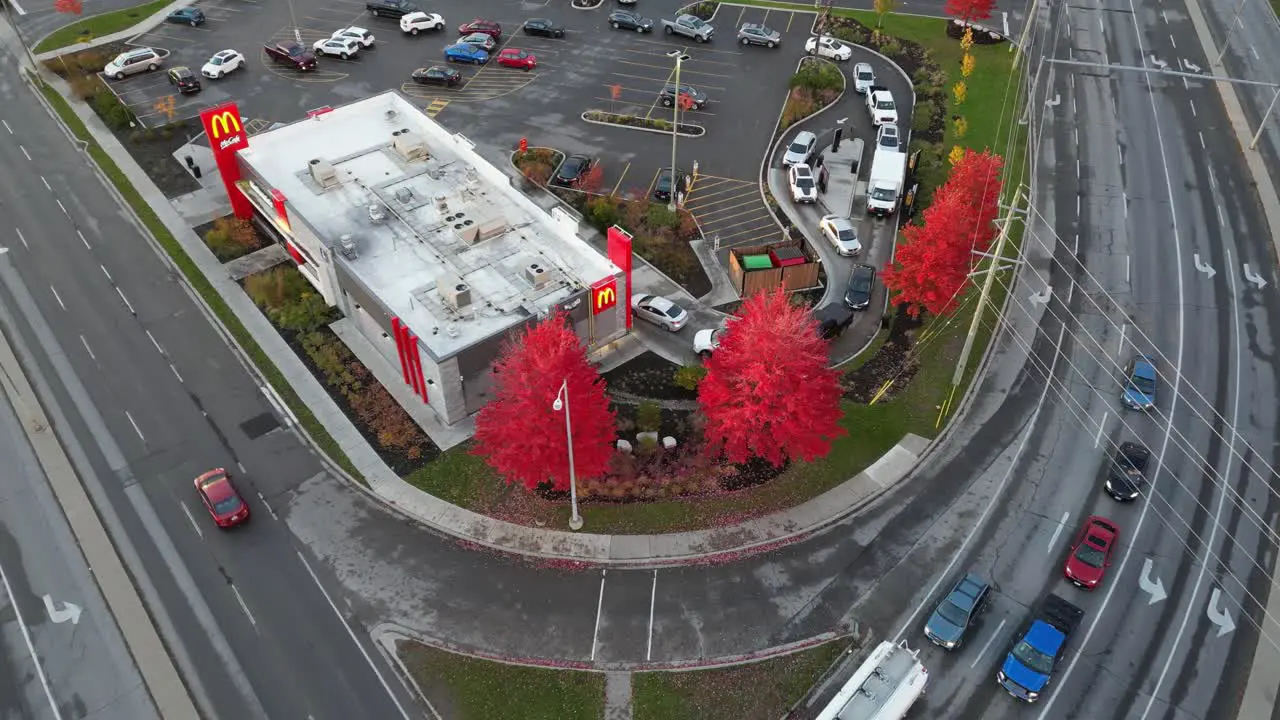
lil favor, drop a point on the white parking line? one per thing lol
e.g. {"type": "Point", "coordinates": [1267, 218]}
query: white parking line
{"type": "Point", "coordinates": [244, 607]}
{"type": "Point", "coordinates": [595, 636]}
{"type": "Point", "coordinates": [653, 596]}
{"type": "Point", "coordinates": [1061, 524]}
{"type": "Point", "coordinates": [987, 646]}
{"type": "Point", "coordinates": [194, 525]}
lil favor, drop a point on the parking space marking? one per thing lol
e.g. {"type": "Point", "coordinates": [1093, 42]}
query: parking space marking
{"type": "Point", "coordinates": [620, 177]}
{"type": "Point", "coordinates": [253, 126]}
{"type": "Point", "coordinates": [683, 71]}
{"type": "Point", "coordinates": [731, 210]}
{"type": "Point", "coordinates": [436, 107]}
{"type": "Point", "coordinates": [699, 49]}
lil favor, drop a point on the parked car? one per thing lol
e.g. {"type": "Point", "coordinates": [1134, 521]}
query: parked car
{"type": "Point", "coordinates": [863, 78]}
{"type": "Point", "coordinates": [488, 27]}
{"type": "Point", "coordinates": [833, 320]}
{"type": "Point", "coordinates": [222, 63]}
{"type": "Point", "coordinates": [184, 80]}
{"type": "Point", "coordinates": [359, 34]}
{"type": "Point", "coordinates": [957, 611]}
{"type": "Point", "coordinates": [1140, 383]}
{"type": "Point", "coordinates": [391, 8]}
{"type": "Point", "coordinates": [887, 137]}
{"type": "Point", "coordinates": [706, 342]}
{"type": "Point", "coordinates": [344, 48]}
{"type": "Point", "coordinates": [186, 16]}
{"type": "Point", "coordinates": [219, 496]}
{"type": "Point", "coordinates": [437, 75]}
{"type": "Point", "coordinates": [132, 63]}
{"type": "Point", "coordinates": [543, 27]}
{"type": "Point", "coordinates": [659, 311]}
{"type": "Point", "coordinates": [841, 233]}
{"type": "Point", "coordinates": [572, 171]}
{"type": "Point", "coordinates": [800, 149]}
{"type": "Point", "coordinates": [828, 47]}
{"type": "Point", "coordinates": [804, 189]}
{"type": "Point", "coordinates": [662, 185]}
{"type": "Point", "coordinates": [1127, 474]}
{"type": "Point", "coordinates": [292, 54]}
{"type": "Point", "coordinates": [696, 99]}
{"type": "Point", "coordinates": [466, 53]}
{"type": "Point", "coordinates": [480, 40]}
{"type": "Point", "coordinates": [1091, 553]}
{"type": "Point", "coordinates": [757, 34]}
{"type": "Point", "coordinates": [415, 22]}
{"type": "Point", "coordinates": [862, 283]}
{"type": "Point", "coordinates": [627, 20]}
{"type": "Point", "coordinates": [517, 58]}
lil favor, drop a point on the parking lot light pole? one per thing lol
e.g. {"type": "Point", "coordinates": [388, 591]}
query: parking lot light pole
{"type": "Point", "coordinates": [679, 57]}
{"type": "Point", "coordinates": [562, 402]}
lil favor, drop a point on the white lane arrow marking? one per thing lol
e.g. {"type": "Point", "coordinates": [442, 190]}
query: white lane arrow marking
{"type": "Point", "coordinates": [1190, 65]}
{"type": "Point", "coordinates": [1204, 267]}
{"type": "Point", "coordinates": [1041, 297]}
{"type": "Point", "coordinates": [68, 612]}
{"type": "Point", "coordinates": [1055, 102]}
{"type": "Point", "coordinates": [1159, 63]}
{"type": "Point", "coordinates": [1154, 588]}
{"type": "Point", "coordinates": [1221, 618]}
{"type": "Point", "coordinates": [1254, 278]}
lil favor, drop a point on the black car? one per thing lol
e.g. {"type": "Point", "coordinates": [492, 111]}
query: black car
{"type": "Point", "coordinates": [186, 16]}
{"type": "Point", "coordinates": [627, 20]}
{"type": "Point", "coordinates": [185, 80]}
{"type": "Point", "coordinates": [662, 185]}
{"type": "Point", "coordinates": [947, 625]}
{"type": "Point", "coordinates": [437, 75]}
{"type": "Point", "coordinates": [862, 282]}
{"type": "Point", "coordinates": [572, 171]}
{"type": "Point", "coordinates": [1127, 474]}
{"type": "Point", "coordinates": [695, 98]}
{"type": "Point", "coordinates": [543, 27]}
{"type": "Point", "coordinates": [390, 8]}
{"type": "Point", "coordinates": [833, 320]}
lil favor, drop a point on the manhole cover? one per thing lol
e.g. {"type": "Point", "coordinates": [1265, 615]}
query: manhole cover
{"type": "Point", "coordinates": [259, 425]}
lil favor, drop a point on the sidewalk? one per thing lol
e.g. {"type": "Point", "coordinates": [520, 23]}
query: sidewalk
{"type": "Point", "coordinates": [624, 550]}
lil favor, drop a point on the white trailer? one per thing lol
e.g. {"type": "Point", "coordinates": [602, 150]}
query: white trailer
{"type": "Point", "coordinates": [884, 186]}
{"type": "Point", "coordinates": [883, 688]}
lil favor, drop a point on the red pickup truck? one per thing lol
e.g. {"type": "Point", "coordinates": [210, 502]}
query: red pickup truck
{"type": "Point", "coordinates": [291, 54]}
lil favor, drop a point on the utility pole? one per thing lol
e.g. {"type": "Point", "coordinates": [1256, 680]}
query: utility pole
{"type": "Point", "coordinates": [996, 259]}
{"type": "Point", "coordinates": [1265, 116]}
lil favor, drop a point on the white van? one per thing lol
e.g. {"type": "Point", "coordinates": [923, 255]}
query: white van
{"type": "Point", "coordinates": [882, 688]}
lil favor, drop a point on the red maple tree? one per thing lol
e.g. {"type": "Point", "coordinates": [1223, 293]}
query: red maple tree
{"type": "Point", "coordinates": [768, 392]}
{"type": "Point", "coordinates": [969, 10]}
{"type": "Point", "coordinates": [69, 7]}
{"type": "Point", "coordinates": [933, 261]}
{"type": "Point", "coordinates": [521, 435]}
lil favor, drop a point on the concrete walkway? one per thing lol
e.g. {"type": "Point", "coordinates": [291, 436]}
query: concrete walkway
{"type": "Point", "coordinates": [622, 550]}
{"type": "Point", "coordinates": [617, 696]}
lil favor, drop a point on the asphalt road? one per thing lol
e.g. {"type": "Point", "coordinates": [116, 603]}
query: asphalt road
{"type": "Point", "coordinates": [84, 668]}
{"type": "Point", "coordinates": [153, 396]}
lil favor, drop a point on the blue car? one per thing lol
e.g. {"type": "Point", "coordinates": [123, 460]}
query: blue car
{"type": "Point", "coordinates": [186, 16]}
{"type": "Point", "coordinates": [1140, 383]}
{"type": "Point", "coordinates": [1028, 668]}
{"type": "Point", "coordinates": [466, 53]}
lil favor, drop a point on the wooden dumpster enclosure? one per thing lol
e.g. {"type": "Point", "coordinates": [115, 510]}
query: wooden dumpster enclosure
{"type": "Point", "coordinates": [788, 264]}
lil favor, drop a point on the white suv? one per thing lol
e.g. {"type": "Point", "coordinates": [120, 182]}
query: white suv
{"type": "Point", "coordinates": [804, 188]}
{"type": "Point", "coordinates": [133, 62]}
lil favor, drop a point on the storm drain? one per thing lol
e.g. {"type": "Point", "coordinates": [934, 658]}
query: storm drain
{"type": "Point", "coordinates": [259, 425]}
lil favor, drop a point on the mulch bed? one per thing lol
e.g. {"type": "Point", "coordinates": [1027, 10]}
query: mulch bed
{"type": "Point", "coordinates": [648, 376]}
{"type": "Point", "coordinates": [894, 361]}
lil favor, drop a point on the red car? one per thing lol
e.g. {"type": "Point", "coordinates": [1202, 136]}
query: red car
{"type": "Point", "coordinates": [1091, 554]}
{"type": "Point", "coordinates": [221, 499]}
{"type": "Point", "coordinates": [488, 27]}
{"type": "Point", "coordinates": [516, 58]}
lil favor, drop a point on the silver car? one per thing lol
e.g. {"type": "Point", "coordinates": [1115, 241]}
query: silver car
{"type": "Point", "coordinates": [757, 34]}
{"type": "Point", "coordinates": [800, 149]}
{"type": "Point", "coordinates": [133, 62]}
{"type": "Point", "coordinates": [863, 78]}
{"type": "Point", "coordinates": [659, 311]}
{"type": "Point", "coordinates": [841, 233]}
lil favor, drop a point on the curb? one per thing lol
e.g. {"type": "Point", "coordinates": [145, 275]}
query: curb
{"type": "Point", "coordinates": [641, 129]}
{"type": "Point", "coordinates": [126, 35]}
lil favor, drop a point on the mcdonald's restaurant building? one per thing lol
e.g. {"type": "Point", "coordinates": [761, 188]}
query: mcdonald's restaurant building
{"type": "Point", "coordinates": [432, 254]}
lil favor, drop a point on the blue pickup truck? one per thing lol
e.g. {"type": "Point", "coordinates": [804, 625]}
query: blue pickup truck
{"type": "Point", "coordinates": [1029, 665]}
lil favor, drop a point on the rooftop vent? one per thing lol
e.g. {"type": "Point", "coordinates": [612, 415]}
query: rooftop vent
{"type": "Point", "coordinates": [537, 275]}
{"type": "Point", "coordinates": [347, 246]}
{"type": "Point", "coordinates": [442, 203]}
{"type": "Point", "coordinates": [492, 228]}
{"type": "Point", "coordinates": [410, 145]}
{"type": "Point", "coordinates": [453, 292]}
{"type": "Point", "coordinates": [323, 173]}
{"type": "Point", "coordinates": [391, 115]}
{"type": "Point", "coordinates": [467, 231]}
{"type": "Point", "coordinates": [404, 195]}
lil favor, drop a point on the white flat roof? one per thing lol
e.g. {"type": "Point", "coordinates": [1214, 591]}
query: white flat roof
{"type": "Point", "coordinates": [449, 220]}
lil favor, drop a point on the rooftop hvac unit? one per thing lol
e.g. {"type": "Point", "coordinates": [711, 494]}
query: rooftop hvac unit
{"type": "Point", "coordinates": [410, 145]}
{"type": "Point", "coordinates": [453, 292]}
{"type": "Point", "coordinates": [347, 246]}
{"type": "Point", "coordinates": [442, 203]}
{"type": "Point", "coordinates": [323, 173]}
{"type": "Point", "coordinates": [404, 195]}
{"type": "Point", "coordinates": [492, 228]}
{"type": "Point", "coordinates": [537, 275]}
{"type": "Point", "coordinates": [377, 214]}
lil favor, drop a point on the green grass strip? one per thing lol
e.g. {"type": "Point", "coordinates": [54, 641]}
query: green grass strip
{"type": "Point", "coordinates": [200, 283]}
{"type": "Point", "coordinates": [96, 26]}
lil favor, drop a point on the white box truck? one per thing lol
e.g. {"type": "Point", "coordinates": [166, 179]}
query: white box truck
{"type": "Point", "coordinates": [884, 186]}
{"type": "Point", "coordinates": [882, 688]}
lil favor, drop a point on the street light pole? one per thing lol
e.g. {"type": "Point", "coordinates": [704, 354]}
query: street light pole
{"type": "Point", "coordinates": [679, 57]}
{"type": "Point", "coordinates": [562, 402]}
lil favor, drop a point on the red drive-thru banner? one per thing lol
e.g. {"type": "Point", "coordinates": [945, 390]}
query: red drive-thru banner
{"type": "Point", "coordinates": [620, 255]}
{"type": "Point", "coordinates": [226, 135]}
{"type": "Point", "coordinates": [410, 361]}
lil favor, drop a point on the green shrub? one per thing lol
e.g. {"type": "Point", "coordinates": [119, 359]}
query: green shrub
{"type": "Point", "coordinates": [275, 287]}
{"type": "Point", "coordinates": [231, 237]}
{"type": "Point", "coordinates": [926, 113]}
{"type": "Point", "coordinates": [817, 76]}
{"type": "Point", "coordinates": [891, 48]}
{"type": "Point", "coordinates": [306, 314]}
{"type": "Point", "coordinates": [648, 417]}
{"type": "Point", "coordinates": [689, 377]}
{"type": "Point", "coordinates": [659, 216]}
{"type": "Point", "coordinates": [113, 112]}
{"type": "Point", "coordinates": [602, 213]}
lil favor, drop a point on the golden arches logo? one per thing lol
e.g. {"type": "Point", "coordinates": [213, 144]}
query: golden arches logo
{"type": "Point", "coordinates": [604, 296]}
{"type": "Point", "coordinates": [220, 125]}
